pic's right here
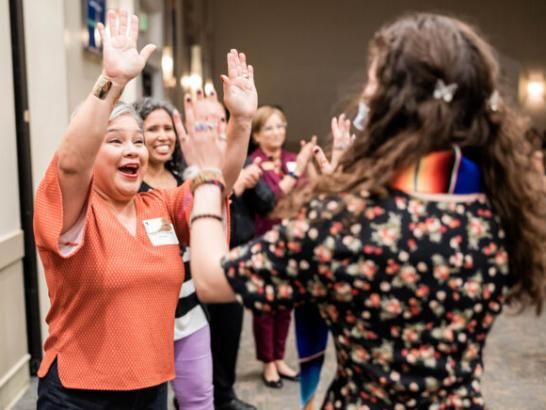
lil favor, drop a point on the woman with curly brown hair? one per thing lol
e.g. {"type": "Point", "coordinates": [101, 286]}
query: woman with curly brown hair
{"type": "Point", "coordinates": [432, 221]}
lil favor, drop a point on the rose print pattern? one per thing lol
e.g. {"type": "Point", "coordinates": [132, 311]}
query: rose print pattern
{"type": "Point", "coordinates": [409, 289]}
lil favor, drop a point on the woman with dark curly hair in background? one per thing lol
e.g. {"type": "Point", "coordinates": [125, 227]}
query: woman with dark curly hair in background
{"type": "Point", "coordinates": [432, 221]}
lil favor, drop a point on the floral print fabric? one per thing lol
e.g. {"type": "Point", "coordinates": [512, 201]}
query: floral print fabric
{"type": "Point", "coordinates": [409, 289]}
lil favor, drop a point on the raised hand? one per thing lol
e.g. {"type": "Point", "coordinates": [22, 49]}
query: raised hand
{"type": "Point", "coordinates": [342, 140]}
{"type": "Point", "coordinates": [121, 61]}
{"type": "Point", "coordinates": [201, 141]}
{"type": "Point", "coordinates": [240, 96]}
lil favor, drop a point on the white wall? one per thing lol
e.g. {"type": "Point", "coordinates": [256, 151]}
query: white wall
{"type": "Point", "coordinates": [14, 374]}
{"type": "Point", "coordinates": [47, 92]}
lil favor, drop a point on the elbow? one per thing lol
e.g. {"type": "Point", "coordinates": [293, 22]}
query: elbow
{"type": "Point", "coordinates": [204, 293]}
{"type": "Point", "coordinates": [67, 165]}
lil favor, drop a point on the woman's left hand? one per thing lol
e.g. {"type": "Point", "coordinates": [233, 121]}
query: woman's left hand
{"type": "Point", "coordinates": [342, 140]}
{"type": "Point", "coordinates": [240, 96]}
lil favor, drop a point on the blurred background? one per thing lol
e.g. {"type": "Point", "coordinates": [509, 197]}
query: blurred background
{"type": "Point", "coordinates": [309, 57]}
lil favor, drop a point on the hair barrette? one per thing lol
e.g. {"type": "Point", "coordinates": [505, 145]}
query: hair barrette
{"type": "Point", "coordinates": [443, 91]}
{"type": "Point", "coordinates": [494, 101]}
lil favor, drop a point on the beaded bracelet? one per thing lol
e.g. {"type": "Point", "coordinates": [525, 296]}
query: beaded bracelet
{"type": "Point", "coordinates": [205, 216]}
{"type": "Point", "coordinates": [208, 177]}
{"type": "Point", "coordinates": [214, 182]}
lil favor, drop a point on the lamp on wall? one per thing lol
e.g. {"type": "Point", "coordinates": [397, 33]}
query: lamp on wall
{"type": "Point", "coordinates": [533, 90]}
{"type": "Point", "coordinates": [193, 81]}
{"type": "Point", "coordinates": [167, 67]}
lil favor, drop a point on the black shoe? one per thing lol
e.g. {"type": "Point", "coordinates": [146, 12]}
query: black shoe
{"type": "Point", "coordinates": [235, 404]}
{"type": "Point", "coordinates": [295, 378]}
{"type": "Point", "coordinates": [272, 384]}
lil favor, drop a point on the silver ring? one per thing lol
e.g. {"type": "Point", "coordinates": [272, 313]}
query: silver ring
{"type": "Point", "coordinates": [202, 126]}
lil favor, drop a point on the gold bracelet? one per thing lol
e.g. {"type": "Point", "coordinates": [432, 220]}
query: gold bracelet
{"type": "Point", "coordinates": [102, 88]}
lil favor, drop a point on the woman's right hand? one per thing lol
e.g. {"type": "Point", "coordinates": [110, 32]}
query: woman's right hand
{"type": "Point", "coordinates": [200, 139]}
{"type": "Point", "coordinates": [121, 61]}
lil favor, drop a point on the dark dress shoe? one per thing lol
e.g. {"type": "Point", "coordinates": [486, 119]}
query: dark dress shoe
{"type": "Point", "coordinates": [272, 384]}
{"type": "Point", "coordinates": [295, 378]}
{"type": "Point", "coordinates": [235, 404]}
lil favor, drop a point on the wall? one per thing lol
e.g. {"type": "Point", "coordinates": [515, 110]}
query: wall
{"type": "Point", "coordinates": [47, 91]}
{"type": "Point", "coordinates": [309, 54]}
{"type": "Point", "coordinates": [14, 373]}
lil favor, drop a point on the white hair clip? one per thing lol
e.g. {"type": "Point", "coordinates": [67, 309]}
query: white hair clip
{"type": "Point", "coordinates": [494, 101]}
{"type": "Point", "coordinates": [443, 91]}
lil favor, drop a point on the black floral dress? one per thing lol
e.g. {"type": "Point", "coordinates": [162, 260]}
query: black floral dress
{"type": "Point", "coordinates": [409, 289]}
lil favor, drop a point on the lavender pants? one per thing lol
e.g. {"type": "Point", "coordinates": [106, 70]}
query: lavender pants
{"type": "Point", "coordinates": [193, 363]}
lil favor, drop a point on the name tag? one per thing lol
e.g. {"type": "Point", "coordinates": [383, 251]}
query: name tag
{"type": "Point", "coordinates": [291, 166]}
{"type": "Point", "coordinates": [160, 231]}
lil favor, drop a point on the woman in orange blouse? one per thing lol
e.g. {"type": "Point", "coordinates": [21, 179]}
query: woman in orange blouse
{"type": "Point", "coordinates": [111, 255]}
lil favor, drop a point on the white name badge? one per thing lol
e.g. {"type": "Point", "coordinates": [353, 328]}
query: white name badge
{"type": "Point", "coordinates": [291, 166]}
{"type": "Point", "coordinates": [160, 231]}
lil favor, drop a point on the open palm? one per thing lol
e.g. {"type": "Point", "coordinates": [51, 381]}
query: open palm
{"type": "Point", "coordinates": [240, 96]}
{"type": "Point", "coordinates": [121, 61]}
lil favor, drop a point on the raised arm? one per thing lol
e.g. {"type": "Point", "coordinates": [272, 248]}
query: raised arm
{"type": "Point", "coordinates": [85, 133]}
{"type": "Point", "coordinates": [241, 100]}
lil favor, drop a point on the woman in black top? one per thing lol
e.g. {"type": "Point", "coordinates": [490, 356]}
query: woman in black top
{"type": "Point", "coordinates": [193, 358]}
{"type": "Point", "coordinates": [251, 197]}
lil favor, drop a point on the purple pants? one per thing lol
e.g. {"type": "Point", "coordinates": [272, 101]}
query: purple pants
{"type": "Point", "coordinates": [193, 363]}
{"type": "Point", "coordinates": [270, 333]}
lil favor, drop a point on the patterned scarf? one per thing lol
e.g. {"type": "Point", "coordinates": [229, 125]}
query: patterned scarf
{"type": "Point", "coordinates": [442, 172]}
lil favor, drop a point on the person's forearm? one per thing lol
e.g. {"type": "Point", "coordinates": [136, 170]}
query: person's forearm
{"type": "Point", "coordinates": [85, 133]}
{"type": "Point", "coordinates": [79, 147]}
{"type": "Point", "coordinates": [238, 135]}
{"type": "Point", "coordinates": [86, 130]}
{"type": "Point", "coordinates": [208, 246]}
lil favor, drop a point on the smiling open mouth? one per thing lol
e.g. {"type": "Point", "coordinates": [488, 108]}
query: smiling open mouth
{"type": "Point", "coordinates": [129, 169]}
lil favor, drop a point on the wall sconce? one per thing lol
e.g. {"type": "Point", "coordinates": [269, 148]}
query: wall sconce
{"type": "Point", "coordinates": [167, 66]}
{"type": "Point", "coordinates": [191, 83]}
{"type": "Point", "coordinates": [533, 90]}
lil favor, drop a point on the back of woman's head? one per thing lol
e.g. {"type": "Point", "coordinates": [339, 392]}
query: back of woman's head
{"type": "Point", "coordinates": [438, 86]}
{"type": "Point", "coordinates": [418, 55]}
{"type": "Point", "coordinates": [144, 108]}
